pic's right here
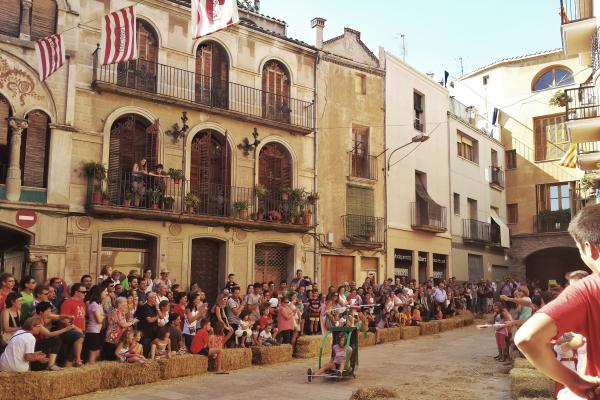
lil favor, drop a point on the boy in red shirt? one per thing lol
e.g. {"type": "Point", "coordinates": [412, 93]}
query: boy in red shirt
{"type": "Point", "coordinates": [201, 344]}
{"type": "Point", "coordinates": [74, 307]}
{"type": "Point", "coordinates": [571, 311]}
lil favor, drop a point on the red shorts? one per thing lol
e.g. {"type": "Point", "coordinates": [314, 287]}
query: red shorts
{"type": "Point", "coordinates": [501, 341]}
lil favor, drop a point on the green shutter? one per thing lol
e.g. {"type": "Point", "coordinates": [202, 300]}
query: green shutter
{"type": "Point", "coordinates": [360, 200]}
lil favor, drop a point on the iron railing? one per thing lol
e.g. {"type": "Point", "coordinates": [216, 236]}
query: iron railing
{"type": "Point", "coordinates": [362, 165]}
{"type": "Point", "coordinates": [363, 229]}
{"type": "Point", "coordinates": [552, 221]}
{"type": "Point", "coordinates": [470, 116]}
{"type": "Point", "coordinates": [582, 103]}
{"type": "Point", "coordinates": [496, 176]}
{"type": "Point", "coordinates": [575, 10]}
{"type": "Point", "coordinates": [164, 80]}
{"type": "Point", "coordinates": [588, 147]}
{"type": "Point", "coordinates": [595, 48]}
{"type": "Point", "coordinates": [429, 215]}
{"type": "Point", "coordinates": [478, 231]}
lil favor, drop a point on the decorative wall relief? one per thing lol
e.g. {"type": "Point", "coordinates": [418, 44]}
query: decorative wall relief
{"type": "Point", "coordinates": [17, 81]}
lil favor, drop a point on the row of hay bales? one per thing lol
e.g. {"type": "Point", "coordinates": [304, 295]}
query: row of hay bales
{"type": "Point", "coordinates": [527, 383]}
{"type": "Point", "coordinates": [110, 375]}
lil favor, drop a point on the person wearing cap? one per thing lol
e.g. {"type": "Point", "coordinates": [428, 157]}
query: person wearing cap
{"type": "Point", "coordinates": [164, 279]}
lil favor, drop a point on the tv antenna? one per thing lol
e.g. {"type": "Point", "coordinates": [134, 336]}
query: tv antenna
{"type": "Point", "coordinates": [403, 48]}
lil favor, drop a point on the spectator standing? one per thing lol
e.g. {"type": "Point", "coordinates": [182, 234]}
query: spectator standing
{"type": "Point", "coordinates": [117, 324]}
{"type": "Point", "coordinates": [148, 279]}
{"type": "Point", "coordinates": [95, 318]}
{"type": "Point", "coordinates": [253, 302]}
{"type": "Point", "coordinates": [7, 284]}
{"type": "Point", "coordinates": [20, 350]}
{"type": "Point", "coordinates": [235, 305]}
{"type": "Point", "coordinates": [231, 283]}
{"type": "Point", "coordinates": [86, 280]}
{"type": "Point", "coordinates": [148, 325]}
{"type": "Point", "coordinates": [61, 290]}
{"type": "Point", "coordinates": [164, 279]}
{"type": "Point", "coordinates": [440, 297]}
{"type": "Point", "coordinates": [11, 317]}
{"type": "Point", "coordinates": [285, 320]}
{"type": "Point", "coordinates": [75, 308]}
{"type": "Point", "coordinates": [300, 280]}
{"type": "Point", "coordinates": [27, 286]}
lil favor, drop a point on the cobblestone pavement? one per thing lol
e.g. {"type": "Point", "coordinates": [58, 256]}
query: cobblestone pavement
{"type": "Point", "coordinates": [453, 365]}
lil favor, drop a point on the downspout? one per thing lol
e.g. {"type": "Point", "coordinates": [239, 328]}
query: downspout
{"type": "Point", "coordinates": [450, 195]}
{"type": "Point", "coordinates": [385, 182]}
{"type": "Point", "coordinates": [317, 247]}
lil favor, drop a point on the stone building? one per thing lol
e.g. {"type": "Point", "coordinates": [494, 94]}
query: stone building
{"type": "Point", "coordinates": [189, 105]}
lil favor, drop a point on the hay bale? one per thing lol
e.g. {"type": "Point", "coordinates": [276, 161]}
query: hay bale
{"type": "Point", "coordinates": [308, 346]}
{"type": "Point", "coordinates": [459, 321]}
{"type": "Point", "coordinates": [272, 354]}
{"type": "Point", "coordinates": [373, 393]}
{"type": "Point", "coordinates": [446, 324]}
{"type": "Point", "coordinates": [233, 359]}
{"type": "Point", "coordinates": [182, 365]}
{"type": "Point", "coordinates": [468, 317]}
{"type": "Point", "coordinates": [369, 340]}
{"type": "Point", "coordinates": [390, 334]}
{"type": "Point", "coordinates": [526, 382]}
{"type": "Point", "coordinates": [430, 328]}
{"type": "Point", "coordinates": [522, 363]}
{"type": "Point", "coordinates": [125, 374]}
{"type": "Point", "coordinates": [410, 332]}
{"type": "Point", "coordinates": [534, 398]}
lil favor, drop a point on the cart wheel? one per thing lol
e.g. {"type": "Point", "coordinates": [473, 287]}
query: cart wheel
{"type": "Point", "coordinates": [309, 375]}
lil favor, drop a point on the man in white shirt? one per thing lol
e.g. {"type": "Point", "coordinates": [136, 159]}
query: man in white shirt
{"type": "Point", "coordinates": [20, 350]}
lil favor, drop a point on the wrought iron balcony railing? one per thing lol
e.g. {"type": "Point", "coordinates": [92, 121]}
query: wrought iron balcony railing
{"type": "Point", "coordinates": [595, 48]}
{"type": "Point", "coordinates": [575, 10]}
{"type": "Point", "coordinates": [552, 221]}
{"type": "Point", "coordinates": [175, 83]}
{"type": "Point", "coordinates": [496, 176]}
{"type": "Point", "coordinates": [362, 166]}
{"type": "Point", "coordinates": [470, 116]}
{"type": "Point", "coordinates": [363, 230]}
{"type": "Point", "coordinates": [477, 231]}
{"type": "Point", "coordinates": [428, 216]}
{"type": "Point", "coordinates": [582, 103]}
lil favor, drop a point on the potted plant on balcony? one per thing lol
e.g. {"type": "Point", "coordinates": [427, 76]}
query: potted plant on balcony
{"type": "Point", "coordinates": [191, 202]}
{"type": "Point", "coordinates": [312, 197]}
{"type": "Point", "coordinates": [105, 198]}
{"type": "Point", "coordinates": [169, 201]}
{"type": "Point", "coordinates": [241, 207]}
{"type": "Point", "coordinates": [275, 215]}
{"type": "Point", "coordinates": [176, 175]}
{"type": "Point", "coordinates": [285, 193]}
{"type": "Point", "coordinates": [127, 199]}
{"type": "Point", "coordinates": [260, 215]}
{"type": "Point", "coordinates": [559, 99]}
{"type": "Point", "coordinates": [97, 173]}
{"type": "Point", "coordinates": [137, 198]}
{"type": "Point", "coordinates": [261, 191]}
{"type": "Point", "coordinates": [154, 196]}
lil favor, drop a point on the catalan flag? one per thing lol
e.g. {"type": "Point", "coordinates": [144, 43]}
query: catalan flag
{"type": "Point", "coordinates": [569, 160]}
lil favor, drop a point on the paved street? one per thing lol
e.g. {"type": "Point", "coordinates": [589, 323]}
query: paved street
{"type": "Point", "coordinates": [453, 365]}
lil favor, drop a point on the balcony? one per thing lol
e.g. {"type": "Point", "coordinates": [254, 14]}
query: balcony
{"type": "Point", "coordinates": [152, 197]}
{"type": "Point", "coordinates": [362, 166]}
{"type": "Point", "coordinates": [552, 221]}
{"type": "Point", "coordinates": [470, 116]}
{"type": "Point", "coordinates": [588, 155]}
{"type": "Point", "coordinates": [582, 114]}
{"type": "Point", "coordinates": [595, 47]}
{"type": "Point", "coordinates": [428, 217]}
{"type": "Point", "coordinates": [477, 231]}
{"type": "Point", "coordinates": [577, 25]}
{"type": "Point", "coordinates": [496, 177]}
{"type": "Point", "coordinates": [363, 231]}
{"type": "Point", "coordinates": [167, 84]}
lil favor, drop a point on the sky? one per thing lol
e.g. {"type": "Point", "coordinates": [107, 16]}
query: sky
{"type": "Point", "coordinates": [437, 32]}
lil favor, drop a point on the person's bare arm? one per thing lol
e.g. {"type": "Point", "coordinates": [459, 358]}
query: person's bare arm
{"type": "Point", "coordinates": [533, 338]}
{"type": "Point", "coordinates": [520, 302]}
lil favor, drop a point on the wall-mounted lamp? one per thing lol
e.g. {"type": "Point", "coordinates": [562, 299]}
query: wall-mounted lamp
{"type": "Point", "coordinates": [246, 146]}
{"type": "Point", "coordinates": [175, 132]}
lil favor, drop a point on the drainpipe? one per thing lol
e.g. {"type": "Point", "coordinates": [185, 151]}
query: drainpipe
{"type": "Point", "coordinates": [385, 183]}
{"type": "Point", "coordinates": [317, 248]}
{"type": "Point", "coordinates": [450, 196]}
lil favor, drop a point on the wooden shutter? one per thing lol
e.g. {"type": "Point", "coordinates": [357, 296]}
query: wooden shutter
{"type": "Point", "coordinates": [148, 57]}
{"type": "Point", "coordinates": [114, 160]}
{"type": "Point", "coordinates": [43, 18]}
{"type": "Point", "coordinates": [10, 17]}
{"type": "Point", "coordinates": [274, 167]}
{"type": "Point", "coordinates": [204, 57]}
{"type": "Point", "coordinates": [151, 143]}
{"type": "Point", "coordinates": [360, 201]}
{"type": "Point", "coordinates": [35, 156]}
{"type": "Point", "coordinates": [275, 84]}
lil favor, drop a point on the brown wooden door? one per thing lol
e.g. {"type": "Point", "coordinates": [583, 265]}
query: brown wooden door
{"type": "Point", "coordinates": [276, 92]}
{"type": "Point", "coordinates": [336, 270]}
{"type": "Point", "coordinates": [35, 145]}
{"type": "Point", "coordinates": [141, 74]}
{"type": "Point", "coordinates": [360, 152]}
{"type": "Point", "coordinates": [212, 75]}
{"type": "Point", "coordinates": [205, 267]}
{"type": "Point", "coordinates": [271, 263]}
{"type": "Point", "coordinates": [274, 167]}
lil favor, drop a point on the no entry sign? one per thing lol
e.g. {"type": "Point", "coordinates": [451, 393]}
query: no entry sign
{"type": "Point", "coordinates": [26, 218]}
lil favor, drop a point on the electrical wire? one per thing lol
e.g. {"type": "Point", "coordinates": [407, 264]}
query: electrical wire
{"type": "Point", "coordinates": [418, 145]}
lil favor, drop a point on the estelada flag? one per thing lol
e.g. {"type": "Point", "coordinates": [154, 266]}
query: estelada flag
{"type": "Point", "coordinates": [209, 16]}
{"type": "Point", "coordinates": [569, 159]}
{"type": "Point", "coordinates": [118, 37]}
{"type": "Point", "coordinates": [50, 54]}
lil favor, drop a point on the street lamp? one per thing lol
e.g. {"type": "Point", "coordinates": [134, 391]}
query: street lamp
{"type": "Point", "coordinates": [420, 138]}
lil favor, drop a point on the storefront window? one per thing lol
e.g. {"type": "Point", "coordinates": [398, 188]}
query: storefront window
{"type": "Point", "coordinates": [402, 262]}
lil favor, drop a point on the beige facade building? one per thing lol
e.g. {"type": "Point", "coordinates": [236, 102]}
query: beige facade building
{"type": "Point", "coordinates": [235, 210]}
{"type": "Point", "coordinates": [350, 87]}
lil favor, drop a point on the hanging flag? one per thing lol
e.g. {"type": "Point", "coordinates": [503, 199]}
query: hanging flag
{"type": "Point", "coordinates": [446, 75]}
{"type": "Point", "coordinates": [50, 54]}
{"type": "Point", "coordinates": [118, 37]}
{"type": "Point", "coordinates": [569, 160]}
{"type": "Point", "coordinates": [209, 16]}
{"type": "Point", "coordinates": [495, 116]}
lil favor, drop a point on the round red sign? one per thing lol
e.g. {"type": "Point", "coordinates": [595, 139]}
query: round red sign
{"type": "Point", "coordinates": [26, 218]}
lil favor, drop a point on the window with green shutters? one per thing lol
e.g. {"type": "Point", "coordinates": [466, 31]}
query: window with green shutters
{"type": "Point", "coordinates": [360, 200]}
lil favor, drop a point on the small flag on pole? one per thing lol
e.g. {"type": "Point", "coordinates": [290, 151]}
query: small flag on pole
{"type": "Point", "coordinates": [446, 75]}
{"type": "Point", "coordinates": [50, 53]}
{"type": "Point", "coordinates": [118, 37]}
{"type": "Point", "coordinates": [209, 16]}
{"type": "Point", "coordinates": [495, 116]}
{"type": "Point", "coordinates": [569, 160]}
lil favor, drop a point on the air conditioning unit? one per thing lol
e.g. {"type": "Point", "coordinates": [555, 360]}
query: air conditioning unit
{"type": "Point", "coordinates": [329, 237]}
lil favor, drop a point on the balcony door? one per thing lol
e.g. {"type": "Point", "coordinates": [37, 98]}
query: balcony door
{"type": "Point", "coordinates": [272, 262]}
{"type": "Point", "coordinates": [210, 172]}
{"type": "Point", "coordinates": [360, 152]}
{"type": "Point", "coordinates": [274, 173]}
{"type": "Point", "coordinates": [212, 75]}
{"type": "Point", "coordinates": [276, 92]}
{"type": "Point", "coordinates": [141, 74]}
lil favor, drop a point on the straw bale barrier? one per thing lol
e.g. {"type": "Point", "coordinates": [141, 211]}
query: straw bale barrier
{"type": "Point", "coordinates": [410, 332]}
{"type": "Point", "coordinates": [125, 374]}
{"type": "Point", "coordinates": [459, 321]}
{"type": "Point", "coordinates": [363, 341]}
{"type": "Point", "coordinates": [534, 398]}
{"type": "Point", "coordinates": [430, 328]}
{"type": "Point", "coordinates": [468, 317]}
{"type": "Point", "coordinates": [272, 354]}
{"type": "Point", "coordinates": [182, 365]}
{"type": "Point", "coordinates": [526, 382]}
{"type": "Point", "coordinates": [308, 346]}
{"type": "Point", "coordinates": [446, 324]}
{"type": "Point", "coordinates": [390, 334]}
{"type": "Point", "coordinates": [373, 393]}
{"type": "Point", "coordinates": [522, 363]}
{"type": "Point", "coordinates": [233, 359]}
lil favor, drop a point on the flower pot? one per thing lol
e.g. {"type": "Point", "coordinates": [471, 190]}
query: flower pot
{"type": "Point", "coordinates": [105, 202]}
{"type": "Point", "coordinates": [261, 216]}
{"type": "Point", "coordinates": [136, 202]}
{"type": "Point", "coordinates": [96, 197]}
{"type": "Point", "coordinates": [126, 203]}
{"type": "Point", "coordinates": [562, 101]}
{"type": "Point", "coordinates": [243, 214]}
{"type": "Point", "coordinates": [307, 218]}
{"type": "Point", "coordinates": [190, 209]}
{"type": "Point", "coordinates": [154, 206]}
{"type": "Point", "coordinates": [177, 180]}
{"type": "Point", "coordinates": [285, 196]}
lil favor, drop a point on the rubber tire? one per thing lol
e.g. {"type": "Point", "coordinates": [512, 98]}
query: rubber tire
{"type": "Point", "coordinates": [309, 375]}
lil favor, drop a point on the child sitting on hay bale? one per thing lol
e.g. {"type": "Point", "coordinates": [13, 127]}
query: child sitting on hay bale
{"type": "Point", "coordinates": [208, 342]}
{"type": "Point", "coordinates": [125, 352]}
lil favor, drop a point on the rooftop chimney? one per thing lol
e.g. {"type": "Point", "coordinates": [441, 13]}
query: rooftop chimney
{"type": "Point", "coordinates": [318, 24]}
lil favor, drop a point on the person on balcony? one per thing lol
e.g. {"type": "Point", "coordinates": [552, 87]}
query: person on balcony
{"type": "Point", "coordinates": [138, 177]}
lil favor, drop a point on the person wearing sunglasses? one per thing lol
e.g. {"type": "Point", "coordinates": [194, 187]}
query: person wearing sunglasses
{"type": "Point", "coordinates": [74, 307]}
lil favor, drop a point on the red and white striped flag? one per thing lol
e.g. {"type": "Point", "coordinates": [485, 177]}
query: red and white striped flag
{"type": "Point", "coordinates": [118, 37]}
{"type": "Point", "coordinates": [209, 16]}
{"type": "Point", "coordinates": [50, 53]}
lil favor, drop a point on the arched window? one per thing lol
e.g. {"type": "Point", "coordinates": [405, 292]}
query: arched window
{"type": "Point", "coordinates": [274, 167]}
{"type": "Point", "coordinates": [10, 17]}
{"type": "Point", "coordinates": [35, 146]}
{"type": "Point", "coordinates": [210, 172]}
{"type": "Point", "coordinates": [212, 75]}
{"type": "Point", "coordinates": [141, 73]}
{"type": "Point", "coordinates": [5, 136]}
{"type": "Point", "coordinates": [43, 18]}
{"type": "Point", "coordinates": [555, 76]}
{"type": "Point", "coordinates": [276, 92]}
